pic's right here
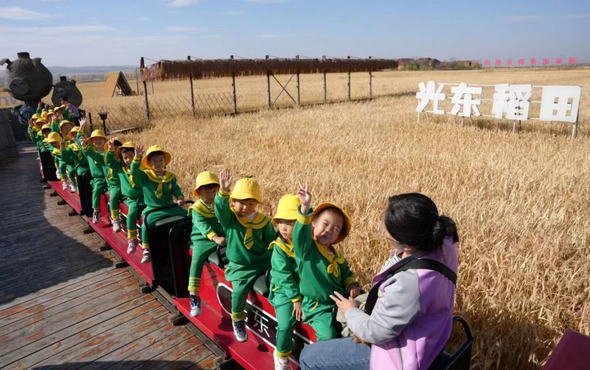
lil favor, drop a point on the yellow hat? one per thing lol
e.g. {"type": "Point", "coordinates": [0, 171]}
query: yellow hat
{"type": "Point", "coordinates": [44, 114]}
{"type": "Point", "coordinates": [74, 131]}
{"type": "Point", "coordinates": [36, 116]}
{"type": "Point", "coordinates": [50, 112]}
{"type": "Point", "coordinates": [347, 223]}
{"type": "Point", "coordinates": [126, 145]}
{"type": "Point", "coordinates": [64, 122]}
{"type": "Point", "coordinates": [59, 107]}
{"type": "Point", "coordinates": [246, 188]}
{"type": "Point", "coordinates": [46, 126]}
{"type": "Point", "coordinates": [40, 120]}
{"type": "Point", "coordinates": [117, 143]}
{"type": "Point", "coordinates": [288, 208]}
{"type": "Point", "coordinates": [53, 137]}
{"type": "Point", "coordinates": [97, 133]}
{"type": "Point", "coordinates": [204, 178]}
{"type": "Point", "coordinates": [154, 149]}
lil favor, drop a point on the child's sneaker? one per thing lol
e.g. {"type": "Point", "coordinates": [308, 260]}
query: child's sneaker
{"type": "Point", "coordinates": [146, 256]}
{"type": "Point", "coordinates": [116, 226]}
{"type": "Point", "coordinates": [281, 363]}
{"type": "Point", "coordinates": [72, 187]}
{"type": "Point", "coordinates": [195, 305]}
{"type": "Point", "coordinates": [240, 332]}
{"type": "Point", "coordinates": [95, 216]}
{"type": "Point", "coordinates": [64, 185]}
{"type": "Point", "coordinates": [131, 245]}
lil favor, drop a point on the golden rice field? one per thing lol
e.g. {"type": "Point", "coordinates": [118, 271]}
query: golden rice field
{"type": "Point", "coordinates": [521, 201]}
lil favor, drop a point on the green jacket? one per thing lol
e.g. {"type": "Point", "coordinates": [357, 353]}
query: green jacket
{"type": "Point", "coordinates": [205, 223]}
{"type": "Point", "coordinates": [157, 190]}
{"type": "Point", "coordinates": [238, 232]}
{"type": "Point", "coordinates": [284, 280]}
{"type": "Point", "coordinates": [321, 274]}
{"type": "Point", "coordinates": [123, 174]}
{"type": "Point", "coordinates": [96, 162]}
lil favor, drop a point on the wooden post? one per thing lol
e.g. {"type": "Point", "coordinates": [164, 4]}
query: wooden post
{"type": "Point", "coordinates": [370, 82]}
{"type": "Point", "coordinates": [233, 85]}
{"type": "Point", "coordinates": [190, 78]}
{"type": "Point", "coordinates": [349, 94]}
{"type": "Point", "coordinates": [325, 89]}
{"type": "Point", "coordinates": [145, 93]}
{"type": "Point", "coordinates": [575, 127]}
{"type": "Point", "coordinates": [298, 89]}
{"type": "Point", "coordinates": [268, 85]}
{"type": "Point", "coordinates": [137, 81]}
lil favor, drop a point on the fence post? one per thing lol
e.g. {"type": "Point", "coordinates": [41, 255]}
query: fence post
{"type": "Point", "coordinates": [349, 95]}
{"type": "Point", "coordinates": [325, 87]}
{"type": "Point", "coordinates": [370, 82]}
{"type": "Point", "coordinates": [145, 92]}
{"type": "Point", "coordinates": [233, 85]}
{"type": "Point", "coordinates": [190, 78]}
{"type": "Point", "coordinates": [268, 85]}
{"type": "Point", "coordinates": [90, 120]}
{"type": "Point", "coordinates": [298, 88]}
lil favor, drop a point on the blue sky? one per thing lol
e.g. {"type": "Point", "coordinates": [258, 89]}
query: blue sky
{"type": "Point", "coordinates": [107, 32]}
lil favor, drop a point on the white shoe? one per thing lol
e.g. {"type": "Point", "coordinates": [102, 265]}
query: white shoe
{"type": "Point", "coordinates": [195, 305]}
{"type": "Point", "coordinates": [95, 216]}
{"type": "Point", "coordinates": [146, 256]}
{"type": "Point", "coordinates": [131, 246]}
{"type": "Point", "coordinates": [116, 226]}
{"type": "Point", "coordinates": [281, 363]}
{"type": "Point", "coordinates": [240, 332]}
{"type": "Point", "coordinates": [64, 185]}
{"type": "Point", "coordinates": [72, 187]}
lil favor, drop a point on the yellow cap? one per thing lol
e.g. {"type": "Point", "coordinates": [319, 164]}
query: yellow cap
{"type": "Point", "coordinates": [73, 132]}
{"type": "Point", "coordinates": [46, 126]}
{"type": "Point", "coordinates": [347, 223]}
{"type": "Point", "coordinates": [204, 178]}
{"type": "Point", "coordinates": [40, 120]}
{"type": "Point", "coordinates": [50, 112]}
{"type": "Point", "coordinates": [287, 208]}
{"type": "Point", "coordinates": [64, 122]}
{"type": "Point", "coordinates": [53, 137]}
{"type": "Point", "coordinates": [126, 145]}
{"type": "Point", "coordinates": [59, 107]}
{"type": "Point", "coordinates": [97, 133]}
{"type": "Point", "coordinates": [36, 116]}
{"type": "Point", "coordinates": [44, 114]}
{"type": "Point", "coordinates": [246, 188]}
{"type": "Point", "coordinates": [154, 149]}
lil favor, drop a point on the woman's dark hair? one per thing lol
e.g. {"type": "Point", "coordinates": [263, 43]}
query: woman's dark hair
{"type": "Point", "coordinates": [413, 219]}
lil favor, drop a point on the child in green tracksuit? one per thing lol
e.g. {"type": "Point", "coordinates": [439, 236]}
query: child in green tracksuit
{"type": "Point", "coordinates": [94, 154]}
{"type": "Point", "coordinates": [66, 166]}
{"type": "Point", "coordinates": [323, 269]}
{"type": "Point", "coordinates": [114, 188]}
{"type": "Point", "coordinates": [45, 150]}
{"type": "Point", "coordinates": [206, 235]}
{"type": "Point", "coordinates": [158, 186]}
{"type": "Point", "coordinates": [284, 282]}
{"type": "Point", "coordinates": [119, 159]}
{"type": "Point", "coordinates": [248, 235]}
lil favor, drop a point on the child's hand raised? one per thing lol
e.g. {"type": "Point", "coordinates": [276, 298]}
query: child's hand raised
{"type": "Point", "coordinates": [111, 144]}
{"type": "Point", "coordinates": [305, 197]}
{"type": "Point", "coordinates": [83, 141]}
{"type": "Point", "coordinates": [225, 180]}
{"type": "Point", "coordinates": [139, 151]}
{"type": "Point", "coordinates": [82, 123]}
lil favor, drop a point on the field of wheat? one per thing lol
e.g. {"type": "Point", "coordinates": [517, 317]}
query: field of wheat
{"type": "Point", "coordinates": [521, 200]}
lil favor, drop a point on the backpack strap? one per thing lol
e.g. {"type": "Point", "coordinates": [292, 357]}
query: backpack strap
{"type": "Point", "coordinates": [410, 264]}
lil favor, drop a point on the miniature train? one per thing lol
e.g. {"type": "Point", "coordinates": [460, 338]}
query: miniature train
{"type": "Point", "coordinates": [168, 274]}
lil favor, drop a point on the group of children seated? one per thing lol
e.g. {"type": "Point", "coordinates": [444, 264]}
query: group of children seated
{"type": "Point", "coordinates": [297, 243]}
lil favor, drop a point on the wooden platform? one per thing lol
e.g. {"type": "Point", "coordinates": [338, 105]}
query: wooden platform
{"type": "Point", "coordinates": [62, 303]}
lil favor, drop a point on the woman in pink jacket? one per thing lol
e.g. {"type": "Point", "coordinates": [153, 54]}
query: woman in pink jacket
{"type": "Point", "coordinates": [409, 310]}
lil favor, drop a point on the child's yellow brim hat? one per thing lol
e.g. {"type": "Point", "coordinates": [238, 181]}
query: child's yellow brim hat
{"type": "Point", "coordinates": [155, 149]}
{"type": "Point", "coordinates": [126, 145]}
{"type": "Point", "coordinates": [96, 134]}
{"type": "Point", "coordinates": [36, 116]}
{"type": "Point", "coordinates": [50, 112]}
{"type": "Point", "coordinates": [288, 208]}
{"type": "Point", "coordinates": [59, 107]}
{"type": "Point", "coordinates": [116, 141]}
{"type": "Point", "coordinates": [73, 132]}
{"type": "Point", "coordinates": [40, 120]}
{"type": "Point", "coordinates": [204, 178]}
{"type": "Point", "coordinates": [64, 122]}
{"type": "Point", "coordinates": [53, 137]}
{"type": "Point", "coordinates": [246, 188]}
{"type": "Point", "coordinates": [46, 126]}
{"type": "Point", "coordinates": [347, 222]}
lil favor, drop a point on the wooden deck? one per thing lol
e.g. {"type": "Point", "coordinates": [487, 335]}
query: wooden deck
{"type": "Point", "coordinates": [62, 303]}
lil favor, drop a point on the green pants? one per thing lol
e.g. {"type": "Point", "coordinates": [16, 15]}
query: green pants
{"type": "Point", "coordinates": [132, 216]}
{"type": "Point", "coordinates": [114, 199]}
{"type": "Point", "coordinates": [62, 170]}
{"type": "Point", "coordinates": [97, 190]}
{"type": "Point", "coordinates": [155, 216]}
{"type": "Point", "coordinates": [201, 251]}
{"type": "Point", "coordinates": [319, 316]}
{"type": "Point", "coordinates": [286, 322]}
{"type": "Point", "coordinates": [71, 172]}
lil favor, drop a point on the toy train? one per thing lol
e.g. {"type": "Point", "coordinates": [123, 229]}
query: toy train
{"type": "Point", "coordinates": [168, 274]}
